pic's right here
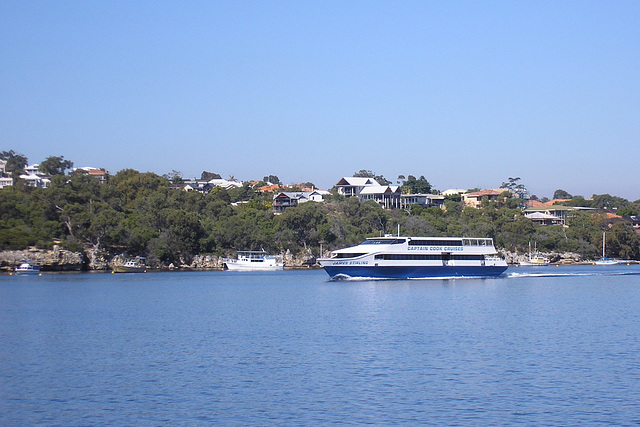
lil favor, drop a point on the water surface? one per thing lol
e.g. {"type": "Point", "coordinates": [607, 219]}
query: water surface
{"type": "Point", "coordinates": [540, 345]}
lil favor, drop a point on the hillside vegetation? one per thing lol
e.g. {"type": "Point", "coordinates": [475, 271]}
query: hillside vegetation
{"type": "Point", "coordinates": [139, 215]}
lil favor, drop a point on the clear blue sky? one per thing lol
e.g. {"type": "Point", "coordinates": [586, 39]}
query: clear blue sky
{"type": "Point", "coordinates": [466, 93]}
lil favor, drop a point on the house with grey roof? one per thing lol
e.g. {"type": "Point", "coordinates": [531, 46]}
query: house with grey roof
{"type": "Point", "coordinates": [290, 199]}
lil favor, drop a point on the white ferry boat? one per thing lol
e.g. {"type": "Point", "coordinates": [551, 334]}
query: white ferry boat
{"type": "Point", "coordinates": [416, 257]}
{"type": "Point", "coordinates": [252, 261]}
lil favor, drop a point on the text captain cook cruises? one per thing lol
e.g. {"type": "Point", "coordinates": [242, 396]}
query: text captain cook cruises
{"type": "Point", "coordinates": [396, 257]}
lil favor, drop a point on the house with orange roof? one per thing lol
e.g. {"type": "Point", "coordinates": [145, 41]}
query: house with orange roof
{"type": "Point", "coordinates": [539, 204]}
{"type": "Point", "coordinates": [475, 199]}
{"type": "Point", "coordinates": [102, 175]}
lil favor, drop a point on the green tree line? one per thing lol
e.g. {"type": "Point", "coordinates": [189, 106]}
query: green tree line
{"type": "Point", "coordinates": [139, 214]}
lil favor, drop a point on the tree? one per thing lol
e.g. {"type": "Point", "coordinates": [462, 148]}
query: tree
{"type": "Point", "coordinates": [302, 224]}
{"type": "Point", "coordinates": [15, 162]}
{"type": "Point", "coordinates": [515, 188]}
{"type": "Point", "coordinates": [607, 201]}
{"type": "Point", "coordinates": [416, 186]}
{"type": "Point", "coordinates": [362, 173]}
{"type": "Point", "coordinates": [208, 176]}
{"type": "Point", "coordinates": [55, 165]}
{"type": "Point", "coordinates": [273, 179]}
{"type": "Point", "coordinates": [174, 176]}
{"type": "Point", "coordinates": [577, 201]}
{"type": "Point", "coordinates": [561, 194]}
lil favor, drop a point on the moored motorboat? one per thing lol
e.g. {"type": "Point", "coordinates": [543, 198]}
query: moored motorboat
{"type": "Point", "coordinates": [252, 261]}
{"type": "Point", "coordinates": [131, 266]}
{"type": "Point", "coordinates": [26, 268]}
{"type": "Point", "coordinates": [416, 257]}
{"type": "Point", "coordinates": [535, 260]}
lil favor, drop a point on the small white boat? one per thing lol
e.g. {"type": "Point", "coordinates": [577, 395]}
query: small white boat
{"type": "Point", "coordinates": [27, 268]}
{"type": "Point", "coordinates": [535, 261]}
{"type": "Point", "coordinates": [253, 261]}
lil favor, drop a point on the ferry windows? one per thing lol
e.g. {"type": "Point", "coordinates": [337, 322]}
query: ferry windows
{"type": "Point", "coordinates": [435, 242]}
{"type": "Point", "coordinates": [347, 255]}
{"type": "Point", "coordinates": [477, 242]}
{"type": "Point", "coordinates": [422, 257]}
{"type": "Point", "coordinates": [383, 242]}
{"type": "Point", "coordinates": [467, 257]}
{"type": "Point", "coordinates": [408, 257]}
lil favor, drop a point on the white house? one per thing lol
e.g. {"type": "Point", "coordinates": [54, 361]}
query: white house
{"type": "Point", "coordinates": [289, 199]}
{"type": "Point", "coordinates": [424, 200]}
{"type": "Point", "coordinates": [353, 186]}
{"type": "Point", "coordinates": [226, 184]}
{"type": "Point", "coordinates": [364, 188]}
{"type": "Point", "coordinates": [6, 182]}
{"type": "Point", "coordinates": [33, 169]}
{"type": "Point", "coordinates": [387, 196]}
{"type": "Point", "coordinates": [453, 192]}
{"type": "Point", "coordinates": [36, 181]}
{"type": "Point", "coordinates": [318, 195]}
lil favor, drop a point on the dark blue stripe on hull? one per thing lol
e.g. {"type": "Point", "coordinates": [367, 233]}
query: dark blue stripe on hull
{"type": "Point", "coordinates": [392, 272]}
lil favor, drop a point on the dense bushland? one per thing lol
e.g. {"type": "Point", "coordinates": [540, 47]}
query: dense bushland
{"type": "Point", "coordinates": [138, 214]}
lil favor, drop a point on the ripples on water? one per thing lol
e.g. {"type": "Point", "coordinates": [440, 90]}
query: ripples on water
{"type": "Point", "coordinates": [536, 346]}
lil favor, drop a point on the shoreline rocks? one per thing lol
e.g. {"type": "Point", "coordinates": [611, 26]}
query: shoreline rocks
{"type": "Point", "coordinates": [553, 257]}
{"type": "Point", "coordinates": [56, 259]}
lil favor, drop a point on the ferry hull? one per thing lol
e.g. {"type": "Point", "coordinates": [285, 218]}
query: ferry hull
{"type": "Point", "coordinates": [413, 272]}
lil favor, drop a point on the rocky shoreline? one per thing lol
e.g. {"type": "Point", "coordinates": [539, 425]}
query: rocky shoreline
{"type": "Point", "coordinates": [569, 258]}
{"type": "Point", "coordinates": [58, 259]}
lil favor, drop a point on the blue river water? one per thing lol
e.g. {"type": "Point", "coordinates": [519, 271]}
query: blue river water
{"type": "Point", "coordinates": [537, 346]}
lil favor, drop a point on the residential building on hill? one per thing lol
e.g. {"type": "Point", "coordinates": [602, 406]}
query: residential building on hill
{"type": "Point", "coordinates": [289, 199]}
{"type": "Point", "coordinates": [453, 192]}
{"type": "Point", "coordinates": [6, 182]}
{"type": "Point", "coordinates": [387, 196]}
{"type": "Point", "coordinates": [475, 199]}
{"type": "Point", "coordinates": [33, 169]}
{"type": "Point", "coordinates": [100, 174]}
{"type": "Point", "coordinates": [539, 204]}
{"type": "Point", "coordinates": [353, 185]}
{"type": "Point", "coordinates": [364, 188]}
{"type": "Point", "coordinates": [551, 215]}
{"type": "Point", "coordinates": [36, 180]}
{"type": "Point", "coordinates": [423, 200]}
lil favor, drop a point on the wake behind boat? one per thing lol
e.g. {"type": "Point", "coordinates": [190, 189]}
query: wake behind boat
{"type": "Point", "coordinates": [253, 261]}
{"type": "Point", "coordinates": [416, 257]}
